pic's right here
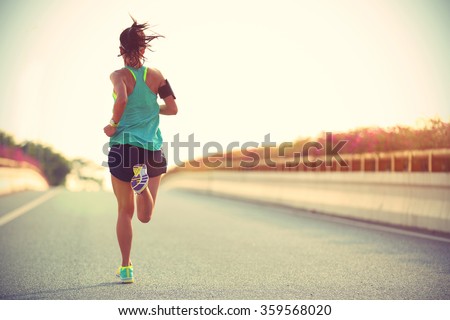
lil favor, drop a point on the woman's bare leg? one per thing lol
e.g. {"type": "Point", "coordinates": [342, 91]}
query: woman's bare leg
{"type": "Point", "coordinates": [124, 229]}
{"type": "Point", "coordinates": [145, 202]}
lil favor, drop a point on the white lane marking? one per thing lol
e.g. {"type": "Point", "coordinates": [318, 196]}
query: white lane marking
{"type": "Point", "coordinates": [10, 216]}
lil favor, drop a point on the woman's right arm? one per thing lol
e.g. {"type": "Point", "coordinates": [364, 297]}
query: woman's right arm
{"type": "Point", "coordinates": [120, 102]}
{"type": "Point", "coordinates": [121, 95]}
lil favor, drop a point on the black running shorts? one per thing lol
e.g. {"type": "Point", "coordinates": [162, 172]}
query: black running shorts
{"type": "Point", "coordinates": [122, 158]}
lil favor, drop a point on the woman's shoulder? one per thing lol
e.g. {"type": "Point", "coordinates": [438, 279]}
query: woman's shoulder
{"type": "Point", "coordinates": [119, 73]}
{"type": "Point", "coordinates": [153, 71]}
{"type": "Point", "coordinates": [154, 74]}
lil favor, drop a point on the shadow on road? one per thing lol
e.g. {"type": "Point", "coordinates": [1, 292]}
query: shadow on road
{"type": "Point", "coordinates": [38, 295]}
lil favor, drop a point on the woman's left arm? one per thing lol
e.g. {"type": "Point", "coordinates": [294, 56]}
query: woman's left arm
{"type": "Point", "coordinates": [169, 108]}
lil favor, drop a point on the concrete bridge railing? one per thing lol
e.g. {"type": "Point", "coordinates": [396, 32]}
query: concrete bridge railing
{"type": "Point", "coordinates": [417, 200]}
{"type": "Point", "coordinates": [16, 176]}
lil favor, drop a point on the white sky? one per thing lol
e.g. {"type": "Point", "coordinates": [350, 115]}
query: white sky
{"type": "Point", "coordinates": [240, 69]}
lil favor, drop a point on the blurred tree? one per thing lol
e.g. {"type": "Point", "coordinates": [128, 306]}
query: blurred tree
{"type": "Point", "coordinates": [6, 140]}
{"type": "Point", "coordinates": [434, 134]}
{"type": "Point", "coordinates": [53, 165]}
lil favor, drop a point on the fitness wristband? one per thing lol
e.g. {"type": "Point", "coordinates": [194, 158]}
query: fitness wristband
{"type": "Point", "coordinates": [113, 124]}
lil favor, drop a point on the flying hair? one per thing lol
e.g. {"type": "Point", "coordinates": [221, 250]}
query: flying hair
{"type": "Point", "coordinates": [133, 39]}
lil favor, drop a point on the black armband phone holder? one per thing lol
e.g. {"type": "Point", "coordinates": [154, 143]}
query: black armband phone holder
{"type": "Point", "coordinates": [166, 91]}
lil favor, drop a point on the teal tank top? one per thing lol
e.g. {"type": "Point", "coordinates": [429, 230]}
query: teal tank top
{"type": "Point", "coordinates": [139, 125]}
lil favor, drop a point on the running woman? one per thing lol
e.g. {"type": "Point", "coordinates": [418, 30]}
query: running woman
{"type": "Point", "coordinates": [135, 159]}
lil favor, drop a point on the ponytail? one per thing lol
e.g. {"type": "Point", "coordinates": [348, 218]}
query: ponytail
{"type": "Point", "coordinates": [133, 39]}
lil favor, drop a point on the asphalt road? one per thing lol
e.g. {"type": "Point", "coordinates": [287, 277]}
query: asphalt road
{"type": "Point", "coordinates": [202, 247]}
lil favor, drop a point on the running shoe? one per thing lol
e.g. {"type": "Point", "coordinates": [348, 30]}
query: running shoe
{"type": "Point", "coordinates": [125, 274]}
{"type": "Point", "coordinates": [140, 180]}
{"type": "Point", "coordinates": [118, 270]}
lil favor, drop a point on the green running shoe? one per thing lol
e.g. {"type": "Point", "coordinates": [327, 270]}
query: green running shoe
{"type": "Point", "coordinates": [125, 274]}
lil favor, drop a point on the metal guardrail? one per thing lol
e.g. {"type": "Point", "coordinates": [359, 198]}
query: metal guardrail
{"type": "Point", "coordinates": [437, 160]}
{"type": "Point", "coordinates": [434, 160]}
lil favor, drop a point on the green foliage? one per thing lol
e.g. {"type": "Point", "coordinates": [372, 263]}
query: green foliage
{"type": "Point", "coordinates": [53, 165]}
{"type": "Point", "coordinates": [434, 134]}
{"type": "Point", "coordinates": [6, 140]}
